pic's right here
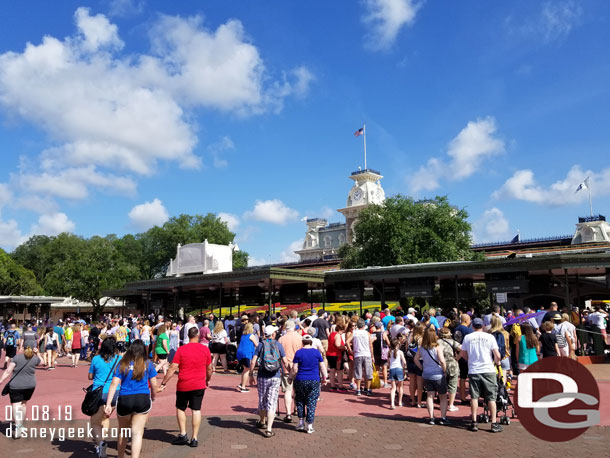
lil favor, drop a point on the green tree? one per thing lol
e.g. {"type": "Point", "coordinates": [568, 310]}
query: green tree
{"type": "Point", "coordinates": [32, 255]}
{"type": "Point", "coordinates": [16, 280]}
{"type": "Point", "coordinates": [406, 231]}
{"type": "Point", "coordinates": [95, 267]}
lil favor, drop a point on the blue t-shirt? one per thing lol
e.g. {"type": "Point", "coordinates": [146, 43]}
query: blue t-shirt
{"type": "Point", "coordinates": [309, 360]}
{"type": "Point", "coordinates": [460, 332]}
{"type": "Point", "coordinates": [434, 322]}
{"type": "Point", "coordinates": [131, 386]}
{"type": "Point", "coordinates": [15, 334]}
{"type": "Point", "coordinates": [60, 332]}
{"type": "Point", "coordinates": [261, 369]}
{"type": "Point", "coordinates": [100, 370]}
{"type": "Point", "coordinates": [386, 319]}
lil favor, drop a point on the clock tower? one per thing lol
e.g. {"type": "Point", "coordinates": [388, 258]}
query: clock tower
{"type": "Point", "coordinates": [366, 190]}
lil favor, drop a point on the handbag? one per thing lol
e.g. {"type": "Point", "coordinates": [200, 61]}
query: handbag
{"type": "Point", "coordinates": [91, 403]}
{"type": "Point", "coordinates": [6, 388]}
{"type": "Point", "coordinates": [375, 383]}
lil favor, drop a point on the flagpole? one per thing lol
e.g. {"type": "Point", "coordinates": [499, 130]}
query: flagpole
{"type": "Point", "coordinates": [364, 135]}
{"type": "Point", "coordinates": [590, 202]}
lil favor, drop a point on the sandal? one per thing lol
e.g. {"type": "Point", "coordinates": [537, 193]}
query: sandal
{"type": "Point", "coordinates": [261, 425]}
{"type": "Point", "coordinates": [269, 434]}
{"type": "Point", "coordinates": [288, 419]}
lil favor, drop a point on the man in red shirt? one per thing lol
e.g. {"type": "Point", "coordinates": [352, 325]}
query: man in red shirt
{"type": "Point", "coordinates": [195, 363]}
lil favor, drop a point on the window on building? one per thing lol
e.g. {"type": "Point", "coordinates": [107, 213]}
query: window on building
{"type": "Point", "coordinates": [328, 241]}
{"type": "Point", "coordinates": [341, 239]}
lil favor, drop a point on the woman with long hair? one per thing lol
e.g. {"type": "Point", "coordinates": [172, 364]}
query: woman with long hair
{"type": "Point", "coordinates": [133, 374]}
{"type": "Point", "coordinates": [145, 336]}
{"type": "Point", "coordinates": [245, 352]}
{"type": "Point", "coordinates": [430, 359]}
{"type": "Point", "coordinates": [497, 330]}
{"type": "Point", "coordinates": [100, 371]}
{"type": "Point", "coordinates": [527, 347]}
{"type": "Point", "coordinates": [51, 345]}
{"type": "Point", "coordinates": [85, 341]}
{"type": "Point", "coordinates": [348, 358]}
{"type": "Point", "coordinates": [398, 363]}
{"type": "Point", "coordinates": [218, 345]}
{"type": "Point", "coordinates": [22, 374]}
{"type": "Point", "coordinates": [381, 348]}
{"type": "Point", "coordinates": [162, 349]}
{"type": "Point", "coordinates": [42, 331]}
{"type": "Point", "coordinates": [174, 341]}
{"type": "Point", "coordinates": [76, 344]}
{"type": "Point", "coordinates": [416, 382]}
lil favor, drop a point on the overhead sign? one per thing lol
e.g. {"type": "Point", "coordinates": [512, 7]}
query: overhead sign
{"type": "Point", "coordinates": [416, 287]}
{"type": "Point", "coordinates": [501, 298]}
{"type": "Point", "coordinates": [293, 294]}
{"type": "Point", "coordinates": [507, 282]}
{"type": "Point", "coordinates": [345, 292]}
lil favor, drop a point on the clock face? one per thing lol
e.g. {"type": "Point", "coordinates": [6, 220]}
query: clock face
{"type": "Point", "coordinates": [357, 195]}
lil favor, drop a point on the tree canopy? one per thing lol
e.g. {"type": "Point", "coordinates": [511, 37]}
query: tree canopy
{"type": "Point", "coordinates": [69, 265]}
{"type": "Point", "coordinates": [406, 231]}
{"type": "Point", "coordinates": [16, 280]}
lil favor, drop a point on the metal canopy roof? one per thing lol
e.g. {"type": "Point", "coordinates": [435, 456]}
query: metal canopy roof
{"type": "Point", "coordinates": [583, 264]}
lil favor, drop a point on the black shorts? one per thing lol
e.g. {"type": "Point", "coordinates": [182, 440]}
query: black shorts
{"type": "Point", "coordinates": [463, 364]}
{"type": "Point", "coordinates": [218, 348]}
{"type": "Point", "coordinates": [164, 356]}
{"type": "Point", "coordinates": [133, 404]}
{"type": "Point", "coordinates": [245, 363]}
{"type": "Point", "coordinates": [20, 395]}
{"type": "Point", "coordinates": [190, 399]}
{"type": "Point", "coordinates": [413, 369]}
{"type": "Point", "coordinates": [10, 351]}
{"type": "Point", "coordinates": [333, 362]}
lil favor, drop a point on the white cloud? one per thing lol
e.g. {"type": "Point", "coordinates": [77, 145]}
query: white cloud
{"type": "Point", "coordinates": [6, 195]}
{"type": "Point", "coordinates": [252, 261]}
{"type": "Point", "coordinates": [52, 224]}
{"type": "Point", "coordinates": [523, 186]}
{"type": "Point", "coordinates": [475, 143]}
{"type": "Point", "coordinates": [122, 8]}
{"type": "Point", "coordinates": [218, 148]}
{"type": "Point", "coordinates": [385, 19]}
{"type": "Point", "coordinates": [231, 220]}
{"type": "Point", "coordinates": [10, 234]}
{"type": "Point", "coordinates": [289, 255]}
{"type": "Point", "coordinates": [73, 183]}
{"type": "Point", "coordinates": [108, 111]}
{"type": "Point", "coordinates": [96, 31]}
{"type": "Point", "coordinates": [327, 212]}
{"type": "Point", "coordinates": [492, 226]}
{"type": "Point", "coordinates": [148, 214]}
{"type": "Point", "coordinates": [272, 211]}
{"type": "Point", "coordinates": [558, 18]}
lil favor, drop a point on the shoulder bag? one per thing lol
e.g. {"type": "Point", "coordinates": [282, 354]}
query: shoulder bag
{"type": "Point", "coordinates": [91, 403]}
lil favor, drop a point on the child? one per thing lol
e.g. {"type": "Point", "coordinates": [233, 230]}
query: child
{"type": "Point", "coordinates": [397, 372]}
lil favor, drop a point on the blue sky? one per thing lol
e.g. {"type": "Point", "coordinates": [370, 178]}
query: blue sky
{"type": "Point", "coordinates": [117, 114]}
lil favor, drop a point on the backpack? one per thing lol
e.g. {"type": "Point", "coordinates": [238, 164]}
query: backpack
{"type": "Point", "coordinates": [182, 333]}
{"type": "Point", "coordinates": [10, 338]}
{"type": "Point", "coordinates": [271, 356]}
{"type": "Point", "coordinates": [501, 343]}
{"type": "Point", "coordinates": [232, 333]}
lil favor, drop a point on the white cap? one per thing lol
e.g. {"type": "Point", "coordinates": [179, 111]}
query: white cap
{"type": "Point", "coordinates": [270, 329]}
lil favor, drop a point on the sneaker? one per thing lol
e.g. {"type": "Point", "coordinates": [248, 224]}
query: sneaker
{"type": "Point", "coordinates": [310, 429]}
{"type": "Point", "coordinates": [431, 421]}
{"type": "Point", "coordinates": [496, 428]}
{"type": "Point", "coordinates": [473, 426]}
{"type": "Point", "coordinates": [18, 429]}
{"type": "Point", "coordinates": [443, 422]}
{"type": "Point", "coordinates": [244, 390]}
{"type": "Point", "coordinates": [182, 439]}
{"type": "Point", "coordinates": [452, 409]}
{"type": "Point", "coordinates": [101, 449]}
{"type": "Point", "coordinates": [193, 443]}
{"type": "Point", "coordinates": [369, 392]}
{"type": "Point", "coordinates": [301, 426]}
{"type": "Point", "coordinates": [358, 393]}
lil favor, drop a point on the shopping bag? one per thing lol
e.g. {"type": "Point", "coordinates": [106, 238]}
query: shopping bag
{"type": "Point", "coordinates": [375, 383]}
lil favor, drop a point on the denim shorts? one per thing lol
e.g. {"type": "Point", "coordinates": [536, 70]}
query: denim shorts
{"type": "Point", "coordinates": [397, 374]}
{"type": "Point", "coordinates": [505, 363]}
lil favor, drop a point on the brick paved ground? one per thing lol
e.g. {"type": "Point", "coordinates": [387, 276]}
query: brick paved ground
{"type": "Point", "coordinates": [337, 437]}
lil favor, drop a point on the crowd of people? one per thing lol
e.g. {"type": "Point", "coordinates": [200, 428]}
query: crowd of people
{"type": "Point", "coordinates": [133, 358]}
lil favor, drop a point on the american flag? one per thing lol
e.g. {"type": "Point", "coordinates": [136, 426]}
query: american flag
{"type": "Point", "coordinates": [359, 132]}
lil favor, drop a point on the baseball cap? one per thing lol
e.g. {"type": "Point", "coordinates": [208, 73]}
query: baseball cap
{"type": "Point", "coordinates": [477, 323]}
{"type": "Point", "coordinates": [556, 316]}
{"type": "Point", "coordinates": [308, 338]}
{"type": "Point", "coordinates": [270, 329]}
{"type": "Point", "coordinates": [379, 325]}
{"type": "Point", "coordinates": [290, 325]}
{"type": "Point", "coordinates": [411, 311]}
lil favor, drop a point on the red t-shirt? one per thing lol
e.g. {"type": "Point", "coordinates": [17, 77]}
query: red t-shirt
{"type": "Point", "coordinates": [193, 359]}
{"type": "Point", "coordinates": [332, 348]}
{"type": "Point", "coordinates": [76, 341]}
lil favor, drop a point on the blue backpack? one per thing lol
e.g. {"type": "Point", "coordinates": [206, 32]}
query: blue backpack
{"type": "Point", "coordinates": [501, 344]}
{"type": "Point", "coordinates": [271, 356]}
{"type": "Point", "coordinates": [10, 339]}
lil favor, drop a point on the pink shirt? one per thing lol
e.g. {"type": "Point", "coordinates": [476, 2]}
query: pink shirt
{"type": "Point", "coordinates": [291, 341]}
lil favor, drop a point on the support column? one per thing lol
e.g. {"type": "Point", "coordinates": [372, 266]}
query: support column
{"type": "Point", "coordinates": [270, 298]}
{"type": "Point", "coordinates": [567, 285]}
{"type": "Point", "coordinates": [220, 301]}
{"type": "Point", "coordinates": [457, 294]}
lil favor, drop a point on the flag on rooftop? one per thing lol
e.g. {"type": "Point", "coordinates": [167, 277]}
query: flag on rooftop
{"type": "Point", "coordinates": [516, 238]}
{"type": "Point", "coordinates": [583, 185]}
{"type": "Point", "coordinates": [359, 132]}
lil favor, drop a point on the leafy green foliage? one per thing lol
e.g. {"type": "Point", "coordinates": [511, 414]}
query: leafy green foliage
{"type": "Point", "coordinates": [406, 231]}
{"type": "Point", "coordinates": [16, 280]}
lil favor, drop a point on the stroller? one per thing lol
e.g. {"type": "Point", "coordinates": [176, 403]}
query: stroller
{"type": "Point", "coordinates": [503, 403]}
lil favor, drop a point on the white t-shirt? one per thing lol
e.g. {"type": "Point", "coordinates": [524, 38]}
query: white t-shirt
{"type": "Point", "coordinates": [188, 326]}
{"type": "Point", "coordinates": [597, 319]}
{"type": "Point", "coordinates": [479, 346]}
{"type": "Point", "coordinates": [220, 337]}
{"type": "Point", "coordinates": [361, 343]}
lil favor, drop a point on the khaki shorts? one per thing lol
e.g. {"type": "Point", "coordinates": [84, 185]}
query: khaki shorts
{"type": "Point", "coordinates": [452, 382]}
{"type": "Point", "coordinates": [286, 387]}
